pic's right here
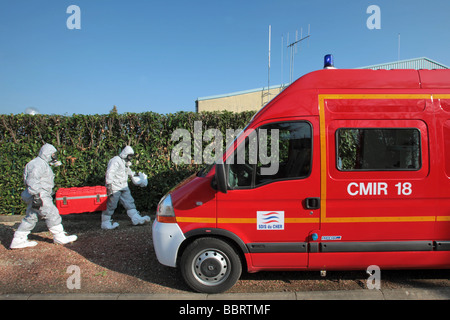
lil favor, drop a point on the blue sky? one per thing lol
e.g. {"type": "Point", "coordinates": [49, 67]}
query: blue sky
{"type": "Point", "coordinates": [160, 56]}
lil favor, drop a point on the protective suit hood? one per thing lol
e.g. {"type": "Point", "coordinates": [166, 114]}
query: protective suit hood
{"type": "Point", "coordinates": [46, 152]}
{"type": "Point", "coordinates": [118, 170]}
{"type": "Point", "coordinates": [126, 151]}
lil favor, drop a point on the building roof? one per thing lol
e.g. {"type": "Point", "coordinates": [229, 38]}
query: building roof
{"type": "Point", "coordinates": [416, 63]}
{"type": "Point", "coordinates": [236, 93]}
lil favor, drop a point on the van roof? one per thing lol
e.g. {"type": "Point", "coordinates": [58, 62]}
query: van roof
{"type": "Point", "coordinates": [351, 79]}
{"type": "Point", "coordinates": [374, 79]}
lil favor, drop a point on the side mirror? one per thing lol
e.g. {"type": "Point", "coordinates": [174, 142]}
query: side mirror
{"type": "Point", "coordinates": [221, 178]}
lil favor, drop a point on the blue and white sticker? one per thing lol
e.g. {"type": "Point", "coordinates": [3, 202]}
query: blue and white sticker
{"type": "Point", "coordinates": [331, 238]}
{"type": "Point", "coordinates": [270, 220]}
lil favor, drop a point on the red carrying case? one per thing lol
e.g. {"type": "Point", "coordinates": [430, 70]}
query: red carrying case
{"type": "Point", "coordinates": [79, 200]}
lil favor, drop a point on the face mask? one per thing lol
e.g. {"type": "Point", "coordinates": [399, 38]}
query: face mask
{"type": "Point", "coordinates": [55, 161]}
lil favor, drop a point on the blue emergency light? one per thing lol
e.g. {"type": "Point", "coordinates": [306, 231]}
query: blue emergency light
{"type": "Point", "coordinates": [328, 61]}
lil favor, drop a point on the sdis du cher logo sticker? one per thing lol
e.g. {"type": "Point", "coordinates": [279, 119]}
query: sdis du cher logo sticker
{"type": "Point", "coordinates": [270, 220]}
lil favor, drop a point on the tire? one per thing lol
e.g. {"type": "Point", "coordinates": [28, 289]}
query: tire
{"type": "Point", "coordinates": [210, 265]}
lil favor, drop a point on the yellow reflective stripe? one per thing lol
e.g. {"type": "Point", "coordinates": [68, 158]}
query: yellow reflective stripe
{"type": "Point", "coordinates": [302, 220]}
{"type": "Point", "coordinates": [380, 219]}
{"type": "Point", "coordinates": [441, 96]}
{"type": "Point", "coordinates": [253, 220]}
{"type": "Point", "coordinates": [196, 219]}
{"type": "Point", "coordinates": [323, 158]}
{"type": "Point", "coordinates": [373, 96]}
{"type": "Point", "coordinates": [241, 220]}
{"type": "Point", "coordinates": [316, 220]}
{"type": "Point", "coordinates": [236, 220]}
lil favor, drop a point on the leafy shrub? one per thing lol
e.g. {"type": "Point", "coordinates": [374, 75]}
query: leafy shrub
{"type": "Point", "coordinates": [86, 143]}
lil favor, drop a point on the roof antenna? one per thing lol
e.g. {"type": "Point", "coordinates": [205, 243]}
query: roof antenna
{"type": "Point", "coordinates": [293, 49]}
{"type": "Point", "coordinates": [268, 76]}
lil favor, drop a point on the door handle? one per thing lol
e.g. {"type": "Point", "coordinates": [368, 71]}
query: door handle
{"type": "Point", "coordinates": [312, 203]}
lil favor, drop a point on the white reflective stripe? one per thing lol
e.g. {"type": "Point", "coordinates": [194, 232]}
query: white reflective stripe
{"type": "Point", "coordinates": [83, 197]}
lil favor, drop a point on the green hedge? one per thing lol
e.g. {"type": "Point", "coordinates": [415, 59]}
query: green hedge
{"type": "Point", "coordinates": [87, 142]}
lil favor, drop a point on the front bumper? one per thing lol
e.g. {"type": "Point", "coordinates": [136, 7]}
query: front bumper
{"type": "Point", "coordinates": [167, 238]}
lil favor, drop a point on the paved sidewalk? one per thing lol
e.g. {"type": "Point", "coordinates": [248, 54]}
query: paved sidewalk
{"type": "Point", "coordinates": [390, 294]}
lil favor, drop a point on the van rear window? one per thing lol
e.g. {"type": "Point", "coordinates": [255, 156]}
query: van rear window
{"type": "Point", "coordinates": [378, 149]}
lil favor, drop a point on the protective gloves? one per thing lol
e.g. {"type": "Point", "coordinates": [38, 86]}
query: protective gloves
{"type": "Point", "coordinates": [37, 202]}
{"type": "Point", "coordinates": [109, 190]}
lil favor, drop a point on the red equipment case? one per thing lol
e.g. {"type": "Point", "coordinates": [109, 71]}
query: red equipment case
{"type": "Point", "coordinates": [79, 200]}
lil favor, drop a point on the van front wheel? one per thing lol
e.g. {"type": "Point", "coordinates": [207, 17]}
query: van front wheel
{"type": "Point", "coordinates": [210, 265]}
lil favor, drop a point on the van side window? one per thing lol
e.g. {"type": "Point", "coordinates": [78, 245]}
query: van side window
{"type": "Point", "coordinates": [275, 152]}
{"type": "Point", "coordinates": [373, 149]}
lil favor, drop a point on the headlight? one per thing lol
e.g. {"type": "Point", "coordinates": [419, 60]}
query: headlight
{"type": "Point", "coordinates": [164, 212]}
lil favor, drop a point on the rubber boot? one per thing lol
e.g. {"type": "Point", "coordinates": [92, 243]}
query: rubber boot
{"type": "Point", "coordinates": [107, 224]}
{"type": "Point", "coordinates": [136, 218]}
{"type": "Point", "coordinates": [20, 240]}
{"type": "Point", "coordinates": [59, 236]}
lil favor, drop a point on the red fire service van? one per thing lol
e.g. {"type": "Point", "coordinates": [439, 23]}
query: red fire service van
{"type": "Point", "coordinates": [360, 176]}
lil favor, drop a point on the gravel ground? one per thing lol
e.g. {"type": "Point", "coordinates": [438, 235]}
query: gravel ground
{"type": "Point", "coordinates": [123, 261]}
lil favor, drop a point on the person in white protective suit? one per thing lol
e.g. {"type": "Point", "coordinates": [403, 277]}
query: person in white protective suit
{"type": "Point", "coordinates": [117, 175]}
{"type": "Point", "coordinates": [38, 177]}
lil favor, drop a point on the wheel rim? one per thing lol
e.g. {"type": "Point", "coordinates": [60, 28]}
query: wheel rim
{"type": "Point", "coordinates": [211, 267]}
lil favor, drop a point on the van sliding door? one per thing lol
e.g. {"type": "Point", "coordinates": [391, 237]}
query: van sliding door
{"type": "Point", "coordinates": [380, 186]}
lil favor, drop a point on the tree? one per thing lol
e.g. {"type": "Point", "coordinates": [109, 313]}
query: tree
{"type": "Point", "coordinates": [113, 110]}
